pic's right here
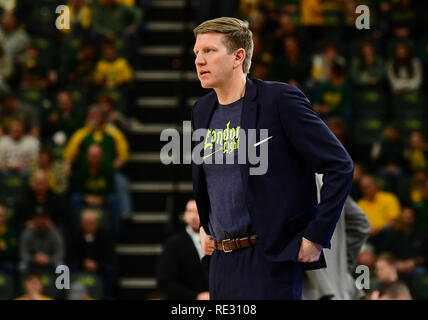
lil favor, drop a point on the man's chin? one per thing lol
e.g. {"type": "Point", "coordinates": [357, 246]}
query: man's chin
{"type": "Point", "coordinates": [206, 85]}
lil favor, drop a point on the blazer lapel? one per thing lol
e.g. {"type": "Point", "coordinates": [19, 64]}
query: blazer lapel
{"type": "Point", "coordinates": [204, 116]}
{"type": "Point", "coordinates": [248, 121]}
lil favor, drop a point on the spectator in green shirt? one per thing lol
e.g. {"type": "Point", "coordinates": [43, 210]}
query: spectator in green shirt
{"type": "Point", "coordinates": [334, 96]}
{"type": "Point", "coordinates": [367, 69]}
{"type": "Point", "coordinates": [95, 186]}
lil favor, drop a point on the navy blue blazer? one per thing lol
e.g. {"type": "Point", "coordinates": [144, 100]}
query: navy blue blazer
{"type": "Point", "coordinates": [282, 203]}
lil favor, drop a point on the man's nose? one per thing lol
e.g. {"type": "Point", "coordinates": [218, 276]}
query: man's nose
{"type": "Point", "coordinates": [199, 60]}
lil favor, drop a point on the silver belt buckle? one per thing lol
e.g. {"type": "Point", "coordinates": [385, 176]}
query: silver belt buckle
{"type": "Point", "coordinates": [222, 243]}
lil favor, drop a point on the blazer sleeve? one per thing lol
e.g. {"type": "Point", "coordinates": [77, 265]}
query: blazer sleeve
{"type": "Point", "coordinates": [324, 154]}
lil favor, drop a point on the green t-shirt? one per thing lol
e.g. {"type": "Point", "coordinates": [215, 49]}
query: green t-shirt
{"type": "Point", "coordinates": [100, 184]}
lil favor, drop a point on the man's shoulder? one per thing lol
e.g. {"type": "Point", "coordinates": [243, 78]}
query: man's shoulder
{"type": "Point", "coordinates": [210, 97]}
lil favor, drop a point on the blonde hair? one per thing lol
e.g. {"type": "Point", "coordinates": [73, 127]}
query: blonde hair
{"type": "Point", "coordinates": [237, 34]}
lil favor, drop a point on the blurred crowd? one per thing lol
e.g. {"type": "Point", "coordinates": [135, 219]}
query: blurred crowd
{"type": "Point", "coordinates": [63, 100]}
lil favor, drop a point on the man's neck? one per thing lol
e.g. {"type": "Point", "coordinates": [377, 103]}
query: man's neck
{"type": "Point", "coordinates": [232, 91]}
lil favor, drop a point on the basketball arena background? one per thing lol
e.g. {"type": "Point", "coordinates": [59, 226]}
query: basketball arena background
{"type": "Point", "coordinates": [126, 68]}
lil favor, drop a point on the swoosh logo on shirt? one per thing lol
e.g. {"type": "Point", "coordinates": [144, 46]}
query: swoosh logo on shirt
{"type": "Point", "coordinates": [260, 142]}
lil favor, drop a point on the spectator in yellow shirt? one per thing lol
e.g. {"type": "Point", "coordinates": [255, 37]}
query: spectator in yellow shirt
{"type": "Point", "coordinates": [112, 72]}
{"type": "Point", "coordinates": [381, 207]}
{"type": "Point", "coordinates": [33, 287]}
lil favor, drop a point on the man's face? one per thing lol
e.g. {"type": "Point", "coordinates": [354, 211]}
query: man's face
{"type": "Point", "coordinates": [41, 223]}
{"type": "Point", "coordinates": [368, 187]}
{"type": "Point", "coordinates": [191, 216]}
{"type": "Point", "coordinates": [89, 222]}
{"type": "Point", "coordinates": [16, 130]}
{"type": "Point", "coordinates": [95, 154]}
{"type": "Point", "coordinates": [40, 182]}
{"type": "Point", "coordinates": [65, 102]}
{"type": "Point", "coordinates": [213, 63]}
{"type": "Point", "coordinates": [33, 285]}
{"type": "Point", "coordinates": [384, 271]}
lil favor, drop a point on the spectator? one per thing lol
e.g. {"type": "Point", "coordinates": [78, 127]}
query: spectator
{"type": "Point", "coordinates": [112, 72]}
{"type": "Point", "coordinates": [33, 73]}
{"type": "Point", "coordinates": [114, 20]}
{"type": "Point", "coordinates": [286, 28]}
{"type": "Point", "coordinates": [421, 209]}
{"type": "Point", "coordinates": [78, 68]}
{"type": "Point", "coordinates": [417, 154]}
{"type": "Point", "coordinates": [33, 287]}
{"type": "Point", "coordinates": [17, 150]}
{"type": "Point", "coordinates": [40, 197]}
{"type": "Point", "coordinates": [92, 250]}
{"type": "Point", "coordinates": [64, 118]}
{"type": "Point", "coordinates": [322, 62]}
{"type": "Point", "coordinates": [114, 146]}
{"type": "Point", "coordinates": [388, 155]}
{"type": "Point", "coordinates": [96, 187]}
{"type": "Point", "coordinates": [290, 66]}
{"type": "Point", "coordinates": [78, 292]}
{"type": "Point", "coordinates": [381, 207]}
{"type": "Point", "coordinates": [41, 245]}
{"type": "Point", "coordinates": [54, 169]}
{"type": "Point", "coordinates": [180, 273]}
{"type": "Point", "coordinates": [409, 244]}
{"type": "Point", "coordinates": [15, 40]}
{"type": "Point", "coordinates": [367, 69]}
{"type": "Point", "coordinates": [14, 109]}
{"type": "Point", "coordinates": [113, 142]}
{"type": "Point", "coordinates": [404, 71]}
{"type": "Point", "coordinates": [114, 117]}
{"type": "Point", "coordinates": [396, 290]}
{"type": "Point", "coordinates": [386, 270]}
{"type": "Point", "coordinates": [8, 243]}
{"type": "Point", "coordinates": [334, 97]}
{"type": "Point", "coordinates": [6, 69]}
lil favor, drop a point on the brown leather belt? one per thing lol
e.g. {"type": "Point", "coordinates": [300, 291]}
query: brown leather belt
{"type": "Point", "coordinates": [229, 245]}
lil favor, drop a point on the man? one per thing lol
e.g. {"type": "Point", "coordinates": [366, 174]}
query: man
{"type": "Point", "coordinates": [95, 186]}
{"type": "Point", "coordinates": [92, 250]}
{"type": "Point", "coordinates": [14, 109]}
{"type": "Point", "coordinates": [336, 282]}
{"type": "Point", "coordinates": [396, 290]}
{"type": "Point", "coordinates": [17, 150]}
{"type": "Point", "coordinates": [382, 208]}
{"type": "Point", "coordinates": [180, 273]}
{"type": "Point", "coordinates": [274, 219]}
{"type": "Point", "coordinates": [40, 195]}
{"type": "Point", "coordinates": [42, 245]}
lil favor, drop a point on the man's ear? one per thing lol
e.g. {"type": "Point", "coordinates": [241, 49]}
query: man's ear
{"type": "Point", "coordinates": [239, 57]}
